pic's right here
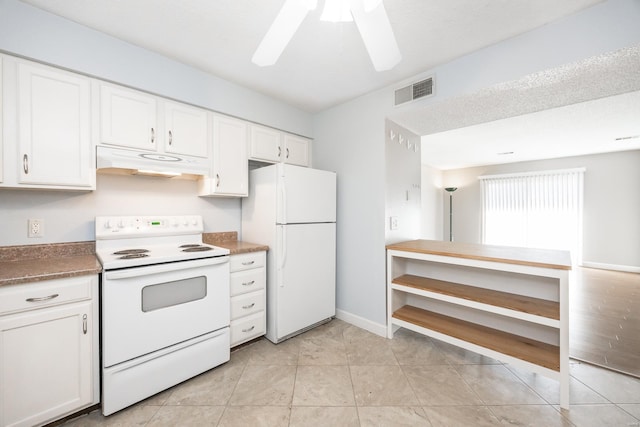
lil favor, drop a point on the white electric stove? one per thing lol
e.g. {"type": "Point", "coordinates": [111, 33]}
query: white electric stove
{"type": "Point", "coordinates": [164, 303]}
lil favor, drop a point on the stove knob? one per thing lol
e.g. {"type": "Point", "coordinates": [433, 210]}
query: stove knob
{"type": "Point", "coordinates": [194, 222]}
{"type": "Point", "coordinates": [107, 224]}
{"type": "Point", "coordinates": [185, 222]}
{"type": "Point", "coordinates": [121, 224]}
{"type": "Point", "coordinates": [174, 222]}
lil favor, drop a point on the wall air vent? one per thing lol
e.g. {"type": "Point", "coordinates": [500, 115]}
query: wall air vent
{"type": "Point", "coordinates": [414, 91]}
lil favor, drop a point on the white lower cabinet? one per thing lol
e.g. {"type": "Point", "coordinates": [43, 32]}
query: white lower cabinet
{"type": "Point", "coordinates": [248, 296]}
{"type": "Point", "coordinates": [48, 350]}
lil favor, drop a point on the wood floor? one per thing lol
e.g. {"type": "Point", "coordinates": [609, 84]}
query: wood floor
{"type": "Point", "coordinates": [605, 319]}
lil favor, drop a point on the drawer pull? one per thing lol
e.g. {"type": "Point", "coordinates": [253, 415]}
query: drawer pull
{"type": "Point", "coordinates": [249, 329]}
{"type": "Point", "coordinates": [246, 307]}
{"type": "Point", "coordinates": [38, 299]}
{"type": "Point", "coordinates": [248, 262]}
{"type": "Point", "coordinates": [248, 283]}
{"type": "Point", "coordinates": [84, 324]}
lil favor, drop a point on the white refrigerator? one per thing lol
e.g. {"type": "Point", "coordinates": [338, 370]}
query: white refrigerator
{"type": "Point", "coordinates": [293, 210]}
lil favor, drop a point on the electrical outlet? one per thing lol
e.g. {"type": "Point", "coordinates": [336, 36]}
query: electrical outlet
{"type": "Point", "coordinates": [36, 228]}
{"type": "Point", "coordinates": [393, 223]}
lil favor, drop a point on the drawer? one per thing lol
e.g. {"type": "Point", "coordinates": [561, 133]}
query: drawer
{"type": "Point", "coordinates": [30, 296]}
{"type": "Point", "coordinates": [247, 281]}
{"type": "Point", "coordinates": [246, 304]}
{"type": "Point", "coordinates": [247, 328]}
{"type": "Point", "coordinates": [247, 261]}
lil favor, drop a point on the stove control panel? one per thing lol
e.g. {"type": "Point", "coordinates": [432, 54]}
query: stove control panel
{"type": "Point", "coordinates": [119, 227]}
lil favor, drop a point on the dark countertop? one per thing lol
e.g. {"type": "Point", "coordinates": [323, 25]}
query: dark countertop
{"type": "Point", "coordinates": [34, 263]}
{"type": "Point", "coordinates": [229, 240]}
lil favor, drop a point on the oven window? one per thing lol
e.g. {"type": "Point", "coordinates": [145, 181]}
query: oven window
{"type": "Point", "coordinates": [168, 294]}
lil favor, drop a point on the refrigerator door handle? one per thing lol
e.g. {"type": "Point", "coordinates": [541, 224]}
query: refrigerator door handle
{"type": "Point", "coordinates": [283, 201]}
{"type": "Point", "coordinates": [283, 254]}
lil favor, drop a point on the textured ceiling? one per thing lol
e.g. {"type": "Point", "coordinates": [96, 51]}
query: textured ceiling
{"type": "Point", "coordinates": [325, 63]}
{"type": "Point", "coordinates": [586, 107]}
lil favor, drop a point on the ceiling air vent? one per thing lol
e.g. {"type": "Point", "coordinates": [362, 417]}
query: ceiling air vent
{"type": "Point", "coordinates": [414, 91]}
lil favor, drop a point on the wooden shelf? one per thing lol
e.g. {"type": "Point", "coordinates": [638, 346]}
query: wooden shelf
{"type": "Point", "coordinates": [521, 303]}
{"type": "Point", "coordinates": [516, 346]}
{"type": "Point", "coordinates": [545, 258]}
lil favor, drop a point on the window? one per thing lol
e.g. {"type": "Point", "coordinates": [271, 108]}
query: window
{"type": "Point", "coordinates": [536, 210]}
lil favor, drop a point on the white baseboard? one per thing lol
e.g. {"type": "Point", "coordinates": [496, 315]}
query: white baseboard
{"type": "Point", "coordinates": [615, 267]}
{"type": "Point", "coordinates": [361, 322]}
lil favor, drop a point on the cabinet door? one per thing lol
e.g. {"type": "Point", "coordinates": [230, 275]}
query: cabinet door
{"type": "Point", "coordinates": [185, 130]}
{"type": "Point", "coordinates": [53, 127]}
{"type": "Point", "coordinates": [45, 363]}
{"type": "Point", "coordinates": [127, 118]}
{"type": "Point", "coordinates": [265, 144]}
{"type": "Point", "coordinates": [296, 150]}
{"type": "Point", "coordinates": [230, 169]}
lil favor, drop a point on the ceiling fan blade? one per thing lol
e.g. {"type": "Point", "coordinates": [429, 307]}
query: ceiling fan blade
{"type": "Point", "coordinates": [281, 31]}
{"type": "Point", "coordinates": [377, 35]}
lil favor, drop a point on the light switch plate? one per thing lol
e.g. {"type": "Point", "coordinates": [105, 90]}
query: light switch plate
{"type": "Point", "coordinates": [393, 223]}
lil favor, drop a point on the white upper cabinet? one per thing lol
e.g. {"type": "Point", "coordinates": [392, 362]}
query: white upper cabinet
{"type": "Point", "coordinates": [48, 144]}
{"type": "Point", "coordinates": [230, 170]}
{"type": "Point", "coordinates": [265, 144]}
{"type": "Point", "coordinates": [271, 145]}
{"type": "Point", "coordinates": [128, 118]}
{"type": "Point", "coordinates": [296, 150]}
{"type": "Point", "coordinates": [185, 129]}
{"type": "Point", "coordinates": [138, 120]}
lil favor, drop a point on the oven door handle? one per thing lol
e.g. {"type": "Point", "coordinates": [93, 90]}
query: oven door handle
{"type": "Point", "coordinates": [163, 268]}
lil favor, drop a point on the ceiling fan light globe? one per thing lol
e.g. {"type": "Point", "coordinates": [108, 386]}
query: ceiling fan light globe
{"type": "Point", "coordinates": [337, 11]}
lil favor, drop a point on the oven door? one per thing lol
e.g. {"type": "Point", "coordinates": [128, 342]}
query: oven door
{"type": "Point", "coordinates": [148, 308]}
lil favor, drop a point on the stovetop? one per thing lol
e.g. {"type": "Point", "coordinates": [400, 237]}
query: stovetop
{"type": "Point", "coordinates": [128, 241]}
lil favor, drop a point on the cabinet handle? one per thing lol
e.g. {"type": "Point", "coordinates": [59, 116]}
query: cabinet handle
{"type": "Point", "coordinates": [38, 299]}
{"type": "Point", "coordinates": [217, 180]}
{"type": "Point", "coordinates": [153, 135]}
{"type": "Point", "coordinates": [246, 307]}
{"type": "Point", "coordinates": [279, 151]}
{"type": "Point", "coordinates": [287, 153]}
{"type": "Point", "coordinates": [84, 324]}
{"type": "Point", "coordinates": [170, 137]}
{"type": "Point", "coordinates": [249, 329]}
{"type": "Point", "coordinates": [248, 262]}
{"type": "Point", "coordinates": [249, 283]}
{"type": "Point", "coordinates": [25, 164]}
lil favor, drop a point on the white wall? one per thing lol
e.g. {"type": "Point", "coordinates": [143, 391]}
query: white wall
{"type": "Point", "coordinates": [69, 216]}
{"type": "Point", "coordinates": [403, 196]}
{"type": "Point", "coordinates": [432, 203]}
{"type": "Point", "coordinates": [611, 204]}
{"type": "Point", "coordinates": [350, 138]}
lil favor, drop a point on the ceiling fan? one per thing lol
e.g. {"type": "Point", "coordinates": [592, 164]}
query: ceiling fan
{"type": "Point", "coordinates": [370, 17]}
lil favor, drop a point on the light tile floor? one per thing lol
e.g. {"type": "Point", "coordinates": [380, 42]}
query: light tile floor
{"type": "Point", "coordinates": [340, 375]}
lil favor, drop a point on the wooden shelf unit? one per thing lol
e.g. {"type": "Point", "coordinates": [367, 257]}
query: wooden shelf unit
{"type": "Point", "coordinates": [510, 304]}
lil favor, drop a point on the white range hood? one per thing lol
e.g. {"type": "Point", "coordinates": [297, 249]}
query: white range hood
{"type": "Point", "coordinates": [147, 163]}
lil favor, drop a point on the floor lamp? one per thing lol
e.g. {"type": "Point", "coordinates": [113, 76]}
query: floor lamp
{"type": "Point", "coordinates": [450, 190]}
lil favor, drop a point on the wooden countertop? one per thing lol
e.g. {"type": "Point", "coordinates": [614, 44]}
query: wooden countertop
{"type": "Point", "coordinates": [547, 258]}
{"type": "Point", "coordinates": [34, 263]}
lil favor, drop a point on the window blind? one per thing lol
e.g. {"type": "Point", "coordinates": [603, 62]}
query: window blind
{"type": "Point", "coordinates": [537, 210]}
